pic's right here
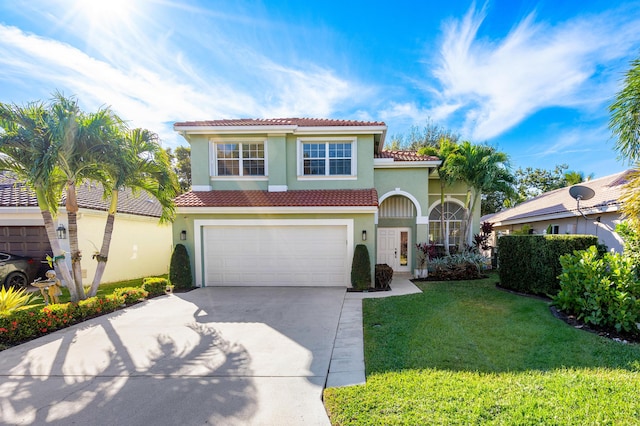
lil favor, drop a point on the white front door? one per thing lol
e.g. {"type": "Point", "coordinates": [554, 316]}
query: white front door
{"type": "Point", "coordinates": [393, 248]}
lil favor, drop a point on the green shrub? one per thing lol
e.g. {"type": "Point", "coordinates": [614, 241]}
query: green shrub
{"type": "Point", "coordinates": [600, 290]}
{"type": "Point", "coordinates": [180, 268]}
{"type": "Point", "coordinates": [361, 268]}
{"type": "Point", "coordinates": [631, 238]}
{"type": "Point", "coordinates": [131, 295]}
{"type": "Point", "coordinates": [531, 263]}
{"type": "Point", "coordinates": [384, 275]}
{"type": "Point", "coordinates": [155, 286]}
{"type": "Point", "coordinates": [98, 305]}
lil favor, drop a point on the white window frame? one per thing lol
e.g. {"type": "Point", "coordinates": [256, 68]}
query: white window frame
{"type": "Point", "coordinates": [317, 140]}
{"type": "Point", "coordinates": [213, 161]}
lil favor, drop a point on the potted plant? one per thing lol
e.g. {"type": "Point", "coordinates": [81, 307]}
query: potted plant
{"type": "Point", "coordinates": [422, 251]}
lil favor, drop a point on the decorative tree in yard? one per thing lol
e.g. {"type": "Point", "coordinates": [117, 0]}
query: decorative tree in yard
{"type": "Point", "coordinates": [483, 169]}
{"type": "Point", "coordinates": [180, 268]}
{"type": "Point", "coordinates": [625, 124]}
{"type": "Point", "coordinates": [140, 164]}
{"type": "Point", "coordinates": [54, 147]}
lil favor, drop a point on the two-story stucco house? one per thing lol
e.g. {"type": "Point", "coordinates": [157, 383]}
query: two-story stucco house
{"type": "Point", "coordinates": [279, 202]}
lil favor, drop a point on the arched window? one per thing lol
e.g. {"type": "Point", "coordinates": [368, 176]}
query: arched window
{"type": "Point", "coordinates": [453, 216]}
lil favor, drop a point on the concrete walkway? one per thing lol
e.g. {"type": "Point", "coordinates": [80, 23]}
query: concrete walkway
{"type": "Point", "coordinates": [220, 356]}
{"type": "Point", "coordinates": [347, 360]}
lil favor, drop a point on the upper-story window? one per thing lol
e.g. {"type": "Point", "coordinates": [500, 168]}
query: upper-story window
{"type": "Point", "coordinates": [239, 159]}
{"type": "Point", "coordinates": [330, 158]}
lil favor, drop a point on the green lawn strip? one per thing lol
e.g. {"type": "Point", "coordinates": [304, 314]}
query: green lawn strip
{"type": "Point", "coordinates": [453, 341]}
{"type": "Point", "coordinates": [559, 397]}
{"type": "Point", "coordinates": [103, 290]}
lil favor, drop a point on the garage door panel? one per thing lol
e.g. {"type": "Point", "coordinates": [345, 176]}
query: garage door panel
{"type": "Point", "coordinates": [275, 255]}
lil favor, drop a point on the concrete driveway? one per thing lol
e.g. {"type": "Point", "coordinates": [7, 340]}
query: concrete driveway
{"type": "Point", "coordinates": [220, 356]}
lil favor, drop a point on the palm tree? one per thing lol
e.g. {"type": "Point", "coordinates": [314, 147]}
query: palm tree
{"type": "Point", "coordinates": [142, 165]}
{"type": "Point", "coordinates": [85, 144]}
{"type": "Point", "coordinates": [625, 124]}
{"type": "Point", "coordinates": [30, 150]}
{"type": "Point", "coordinates": [573, 177]}
{"type": "Point", "coordinates": [483, 169]}
{"type": "Point", "coordinates": [444, 151]}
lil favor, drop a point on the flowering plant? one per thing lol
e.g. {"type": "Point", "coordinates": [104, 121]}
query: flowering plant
{"type": "Point", "coordinates": [425, 252]}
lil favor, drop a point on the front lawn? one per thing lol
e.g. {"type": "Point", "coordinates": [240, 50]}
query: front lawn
{"type": "Point", "coordinates": [467, 353]}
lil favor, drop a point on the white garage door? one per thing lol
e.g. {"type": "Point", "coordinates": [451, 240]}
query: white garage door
{"type": "Point", "coordinates": [275, 255]}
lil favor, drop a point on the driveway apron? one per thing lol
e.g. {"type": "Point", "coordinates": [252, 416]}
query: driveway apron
{"type": "Point", "coordinates": [220, 356]}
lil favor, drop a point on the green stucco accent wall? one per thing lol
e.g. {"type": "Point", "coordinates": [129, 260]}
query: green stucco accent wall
{"type": "Point", "coordinates": [199, 160]}
{"type": "Point", "coordinates": [277, 160]}
{"type": "Point", "coordinates": [413, 181]}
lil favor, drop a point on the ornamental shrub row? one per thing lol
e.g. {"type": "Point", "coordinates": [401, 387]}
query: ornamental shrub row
{"type": "Point", "coordinates": [531, 263]}
{"type": "Point", "coordinates": [602, 290]}
{"type": "Point", "coordinates": [28, 323]}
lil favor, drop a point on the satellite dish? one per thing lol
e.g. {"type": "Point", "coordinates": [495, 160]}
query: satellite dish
{"type": "Point", "coordinates": [580, 192]}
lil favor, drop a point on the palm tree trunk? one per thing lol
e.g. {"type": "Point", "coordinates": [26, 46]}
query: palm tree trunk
{"type": "Point", "coordinates": [444, 235]}
{"type": "Point", "coordinates": [76, 256]}
{"type": "Point", "coordinates": [61, 265]}
{"type": "Point", "coordinates": [106, 243]}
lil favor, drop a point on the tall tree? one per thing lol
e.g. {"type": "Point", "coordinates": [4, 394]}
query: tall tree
{"type": "Point", "coordinates": [30, 150]}
{"type": "Point", "coordinates": [445, 150]}
{"type": "Point", "coordinates": [573, 177]}
{"type": "Point", "coordinates": [181, 161]}
{"type": "Point", "coordinates": [142, 165]}
{"type": "Point", "coordinates": [85, 141]}
{"type": "Point", "coordinates": [429, 135]}
{"type": "Point", "coordinates": [483, 169]}
{"type": "Point", "coordinates": [625, 124]}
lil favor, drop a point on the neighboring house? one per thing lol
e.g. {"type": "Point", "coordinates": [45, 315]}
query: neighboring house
{"type": "Point", "coordinates": [279, 202]}
{"type": "Point", "coordinates": [139, 245]}
{"type": "Point", "coordinates": [556, 212]}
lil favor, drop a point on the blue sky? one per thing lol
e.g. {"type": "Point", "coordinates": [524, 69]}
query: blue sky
{"type": "Point", "coordinates": [533, 78]}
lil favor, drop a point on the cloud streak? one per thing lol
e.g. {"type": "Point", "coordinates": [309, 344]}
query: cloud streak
{"type": "Point", "coordinates": [496, 84]}
{"type": "Point", "coordinates": [160, 83]}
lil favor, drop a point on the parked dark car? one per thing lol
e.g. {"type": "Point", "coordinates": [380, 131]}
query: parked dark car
{"type": "Point", "coordinates": [17, 271]}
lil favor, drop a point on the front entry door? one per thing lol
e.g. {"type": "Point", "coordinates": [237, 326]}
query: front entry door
{"type": "Point", "coordinates": [393, 248]}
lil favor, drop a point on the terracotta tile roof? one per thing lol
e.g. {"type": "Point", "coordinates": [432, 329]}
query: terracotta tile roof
{"type": "Point", "coordinates": [299, 198]}
{"type": "Point", "coordinates": [303, 122]}
{"type": "Point", "coordinates": [406, 156]}
{"type": "Point", "coordinates": [16, 194]}
{"type": "Point", "coordinates": [607, 191]}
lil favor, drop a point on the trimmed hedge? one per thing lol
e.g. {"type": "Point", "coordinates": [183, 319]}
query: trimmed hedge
{"type": "Point", "coordinates": [361, 268]}
{"type": "Point", "coordinates": [531, 263]}
{"type": "Point", "coordinates": [155, 286]}
{"type": "Point", "coordinates": [180, 268]}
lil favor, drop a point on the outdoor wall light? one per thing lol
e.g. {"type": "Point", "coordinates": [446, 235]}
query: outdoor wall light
{"type": "Point", "coordinates": [364, 235]}
{"type": "Point", "coordinates": [183, 235]}
{"type": "Point", "coordinates": [62, 232]}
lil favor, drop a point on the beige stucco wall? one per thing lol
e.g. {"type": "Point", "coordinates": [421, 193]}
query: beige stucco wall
{"type": "Point", "coordinates": [140, 247]}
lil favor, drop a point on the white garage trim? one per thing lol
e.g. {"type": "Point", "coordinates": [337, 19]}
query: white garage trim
{"type": "Point", "coordinates": [199, 225]}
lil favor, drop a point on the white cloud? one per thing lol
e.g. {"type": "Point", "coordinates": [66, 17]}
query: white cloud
{"type": "Point", "coordinates": [496, 84]}
{"type": "Point", "coordinates": [158, 85]}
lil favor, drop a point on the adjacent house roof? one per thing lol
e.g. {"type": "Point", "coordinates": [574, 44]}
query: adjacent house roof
{"type": "Point", "coordinates": [16, 194]}
{"type": "Point", "coordinates": [294, 198]}
{"type": "Point", "coordinates": [560, 203]}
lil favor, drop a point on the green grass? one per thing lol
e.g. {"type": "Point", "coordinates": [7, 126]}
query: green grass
{"type": "Point", "coordinates": [468, 353]}
{"type": "Point", "coordinates": [103, 290]}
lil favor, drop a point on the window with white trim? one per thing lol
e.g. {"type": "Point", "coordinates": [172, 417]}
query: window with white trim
{"type": "Point", "coordinates": [453, 214]}
{"type": "Point", "coordinates": [327, 158]}
{"type": "Point", "coordinates": [239, 159]}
